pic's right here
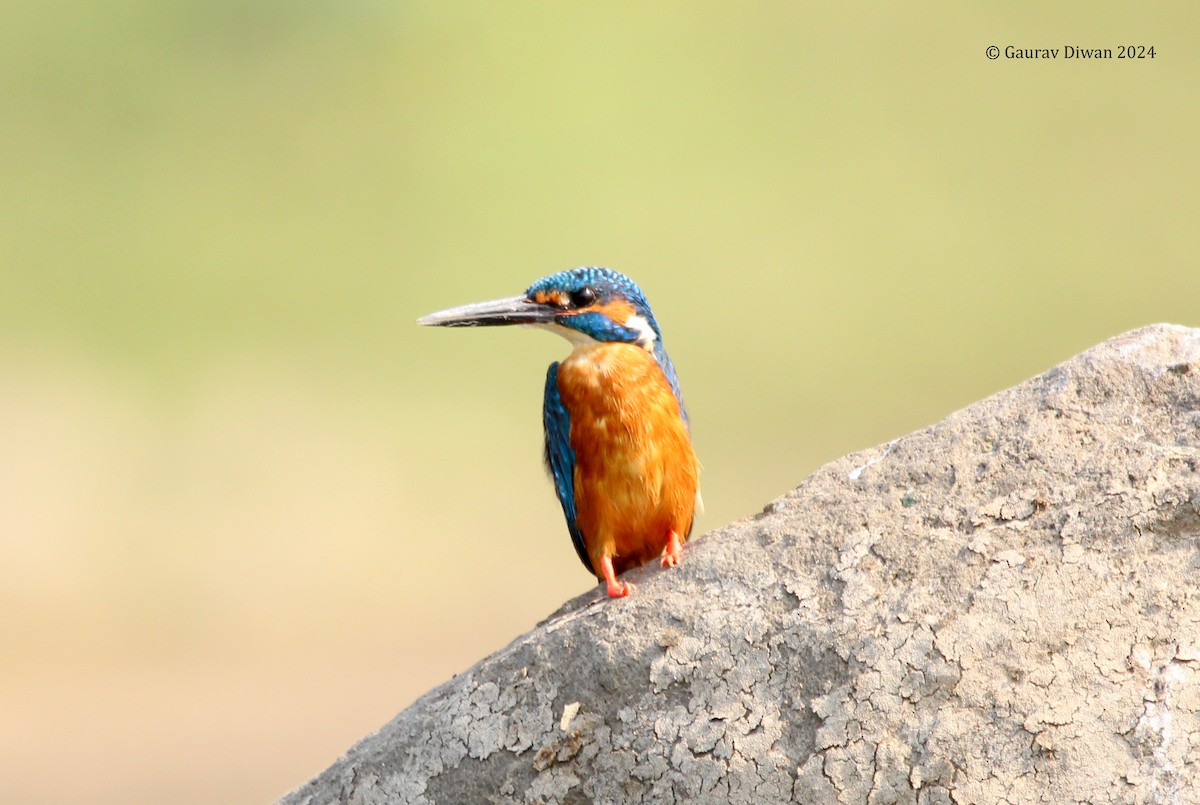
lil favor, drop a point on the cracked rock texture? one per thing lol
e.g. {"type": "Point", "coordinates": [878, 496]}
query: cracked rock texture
{"type": "Point", "coordinates": [1001, 608]}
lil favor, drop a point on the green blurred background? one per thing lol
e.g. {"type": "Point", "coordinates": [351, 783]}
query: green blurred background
{"type": "Point", "coordinates": [249, 510]}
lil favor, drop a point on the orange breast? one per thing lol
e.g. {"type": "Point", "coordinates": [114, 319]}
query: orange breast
{"type": "Point", "coordinates": [636, 474]}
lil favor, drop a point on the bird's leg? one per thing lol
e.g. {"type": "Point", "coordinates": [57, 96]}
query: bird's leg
{"type": "Point", "coordinates": [616, 589]}
{"type": "Point", "coordinates": [674, 550]}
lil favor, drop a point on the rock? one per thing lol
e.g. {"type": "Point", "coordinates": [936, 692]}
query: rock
{"type": "Point", "coordinates": [1003, 607]}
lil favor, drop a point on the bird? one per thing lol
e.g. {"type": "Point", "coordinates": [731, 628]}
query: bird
{"type": "Point", "coordinates": [617, 438]}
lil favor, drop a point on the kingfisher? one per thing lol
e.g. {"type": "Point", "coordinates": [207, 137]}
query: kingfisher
{"type": "Point", "coordinates": [618, 445]}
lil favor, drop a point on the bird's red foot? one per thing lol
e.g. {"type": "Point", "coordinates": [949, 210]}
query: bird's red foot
{"type": "Point", "coordinates": [674, 550]}
{"type": "Point", "coordinates": [616, 589]}
{"type": "Point", "coordinates": [619, 589]}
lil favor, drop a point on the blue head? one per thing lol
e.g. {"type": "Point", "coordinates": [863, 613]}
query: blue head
{"type": "Point", "coordinates": [597, 304]}
{"type": "Point", "coordinates": [584, 305]}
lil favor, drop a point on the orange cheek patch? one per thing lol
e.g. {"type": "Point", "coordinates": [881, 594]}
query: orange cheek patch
{"type": "Point", "coordinates": [618, 310]}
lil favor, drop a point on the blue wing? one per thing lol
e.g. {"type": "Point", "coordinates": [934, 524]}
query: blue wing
{"type": "Point", "coordinates": [560, 458]}
{"type": "Point", "coordinates": [668, 369]}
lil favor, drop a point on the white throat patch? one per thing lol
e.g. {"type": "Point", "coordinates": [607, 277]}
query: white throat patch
{"type": "Point", "coordinates": [645, 339]}
{"type": "Point", "coordinates": [577, 338]}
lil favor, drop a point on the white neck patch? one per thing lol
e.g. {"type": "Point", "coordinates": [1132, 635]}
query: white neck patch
{"type": "Point", "coordinates": [646, 336]}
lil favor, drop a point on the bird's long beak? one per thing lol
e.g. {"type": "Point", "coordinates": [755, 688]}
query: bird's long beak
{"type": "Point", "coordinates": [514, 310]}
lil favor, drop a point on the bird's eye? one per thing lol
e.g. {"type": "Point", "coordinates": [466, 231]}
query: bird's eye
{"type": "Point", "coordinates": [583, 297]}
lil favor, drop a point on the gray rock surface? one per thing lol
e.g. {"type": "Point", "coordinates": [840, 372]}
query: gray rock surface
{"type": "Point", "coordinates": [1001, 608]}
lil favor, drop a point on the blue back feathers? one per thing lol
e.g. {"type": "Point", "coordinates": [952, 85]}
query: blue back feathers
{"type": "Point", "coordinates": [560, 459]}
